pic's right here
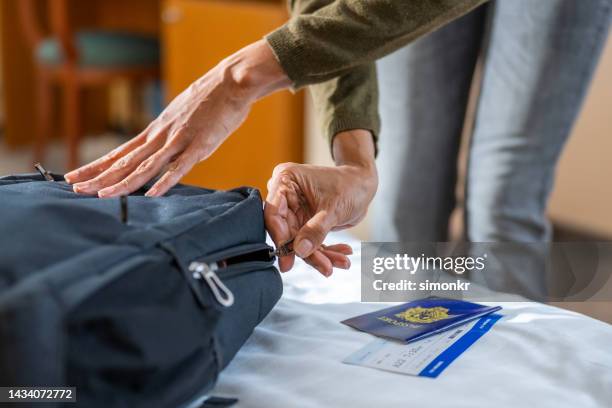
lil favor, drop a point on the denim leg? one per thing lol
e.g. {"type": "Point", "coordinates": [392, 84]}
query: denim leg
{"type": "Point", "coordinates": [424, 90]}
{"type": "Point", "coordinates": [539, 59]}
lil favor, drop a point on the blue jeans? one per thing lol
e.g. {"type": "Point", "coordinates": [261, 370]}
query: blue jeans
{"type": "Point", "coordinates": [537, 61]}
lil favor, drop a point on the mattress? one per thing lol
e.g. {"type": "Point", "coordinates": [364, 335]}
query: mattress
{"type": "Point", "coordinates": [536, 355]}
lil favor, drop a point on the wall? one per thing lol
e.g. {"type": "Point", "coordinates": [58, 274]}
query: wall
{"type": "Point", "coordinates": [582, 198]}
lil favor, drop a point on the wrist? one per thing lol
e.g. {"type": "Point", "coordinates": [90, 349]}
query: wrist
{"type": "Point", "coordinates": [254, 71]}
{"type": "Point", "coordinates": [355, 148]}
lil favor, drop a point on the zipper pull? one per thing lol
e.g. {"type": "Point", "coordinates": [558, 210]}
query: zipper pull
{"type": "Point", "coordinates": [201, 270]}
{"type": "Point", "coordinates": [43, 172]}
{"type": "Point", "coordinates": [283, 250]}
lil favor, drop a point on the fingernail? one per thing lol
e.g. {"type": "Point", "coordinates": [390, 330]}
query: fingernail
{"type": "Point", "coordinates": [303, 248]}
{"type": "Point", "coordinates": [104, 193]}
{"type": "Point", "coordinates": [78, 188]}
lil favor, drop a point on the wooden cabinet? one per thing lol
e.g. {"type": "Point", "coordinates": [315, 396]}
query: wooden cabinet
{"type": "Point", "coordinates": [196, 35]}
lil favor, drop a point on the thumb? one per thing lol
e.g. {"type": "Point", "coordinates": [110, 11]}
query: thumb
{"type": "Point", "coordinates": [313, 233]}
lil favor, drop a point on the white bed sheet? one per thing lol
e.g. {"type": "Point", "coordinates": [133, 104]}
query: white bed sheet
{"type": "Point", "coordinates": [536, 356]}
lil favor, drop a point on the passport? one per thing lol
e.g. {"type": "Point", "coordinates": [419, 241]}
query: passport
{"type": "Point", "coordinates": [419, 319]}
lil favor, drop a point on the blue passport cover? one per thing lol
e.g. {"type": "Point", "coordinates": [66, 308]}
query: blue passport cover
{"type": "Point", "coordinates": [418, 319]}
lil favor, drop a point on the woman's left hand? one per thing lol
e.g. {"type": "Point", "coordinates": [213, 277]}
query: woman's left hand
{"type": "Point", "coordinates": [189, 130]}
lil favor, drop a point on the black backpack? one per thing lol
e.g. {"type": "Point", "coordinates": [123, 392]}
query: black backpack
{"type": "Point", "coordinates": [138, 302]}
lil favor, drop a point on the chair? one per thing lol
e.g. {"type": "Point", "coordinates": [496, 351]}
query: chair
{"type": "Point", "coordinates": [79, 59]}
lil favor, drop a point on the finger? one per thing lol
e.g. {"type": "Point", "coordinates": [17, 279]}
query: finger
{"type": "Point", "coordinates": [313, 233]}
{"type": "Point", "coordinates": [285, 263]}
{"type": "Point", "coordinates": [145, 171]}
{"type": "Point", "coordinates": [93, 169]}
{"type": "Point", "coordinates": [281, 168]}
{"type": "Point", "coordinates": [118, 170]}
{"type": "Point", "coordinates": [337, 259]}
{"type": "Point", "coordinates": [276, 202]}
{"type": "Point", "coordinates": [321, 263]}
{"type": "Point", "coordinates": [287, 184]}
{"type": "Point", "coordinates": [282, 180]}
{"type": "Point", "coordinates": [342, 248]}
{"type": "Point", "coordinates": [177, 169]}
{"type": "Point", "coordinates": [277, 225]}
{"type": "Point", "coordinates": [275, 185]}
{"type": "Point", "coordinates": [279, 230]}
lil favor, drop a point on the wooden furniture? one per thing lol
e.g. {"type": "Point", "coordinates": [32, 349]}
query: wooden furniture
{"type": "Point", "coordinates": [19, 73]}
{"type": "Point", "coordinates": [63, 60]}
{"type": "Point", "coordinates": [196, 35]}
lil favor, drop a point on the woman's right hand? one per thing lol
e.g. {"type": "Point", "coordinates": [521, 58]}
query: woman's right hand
{"type": "Point", "coordinates": [306, 202]}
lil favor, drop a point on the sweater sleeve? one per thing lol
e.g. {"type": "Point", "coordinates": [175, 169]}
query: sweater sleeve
{"type": "Point", "coordinates": [348, 101]}
{"type": "Point", "coordinates": [326, 39]}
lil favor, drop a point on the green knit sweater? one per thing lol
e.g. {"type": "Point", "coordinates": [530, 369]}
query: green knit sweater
{"type": "Point", "coordinates": [334, 43]}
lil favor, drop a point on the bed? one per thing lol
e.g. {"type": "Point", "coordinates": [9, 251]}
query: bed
{"type": "Point", "coordinates": [536, 355]}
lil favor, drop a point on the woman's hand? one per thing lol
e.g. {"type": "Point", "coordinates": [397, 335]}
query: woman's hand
{"type": "Point", "coordinates": [189, 130]}
{"type": "Point", "coordinates": [306, 202]}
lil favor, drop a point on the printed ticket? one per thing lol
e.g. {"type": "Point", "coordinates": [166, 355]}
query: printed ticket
{"type": "Point", "coordinates": [427, 357]}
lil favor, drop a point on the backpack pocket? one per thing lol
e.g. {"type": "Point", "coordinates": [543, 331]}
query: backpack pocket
{"type": "Point", "coordinates": [143, 339]}
{"type": "Point", "coordinates": [229, 264]}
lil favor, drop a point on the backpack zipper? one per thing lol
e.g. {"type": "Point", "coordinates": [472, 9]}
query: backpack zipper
{"type": "Point", "coordinates": [232, 261]}
{"type": "Point", "coordinates": [201, 270]}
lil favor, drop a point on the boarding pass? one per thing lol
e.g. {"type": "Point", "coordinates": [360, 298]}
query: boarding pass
{"type": "Point", "coordinates": [427, 357]}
